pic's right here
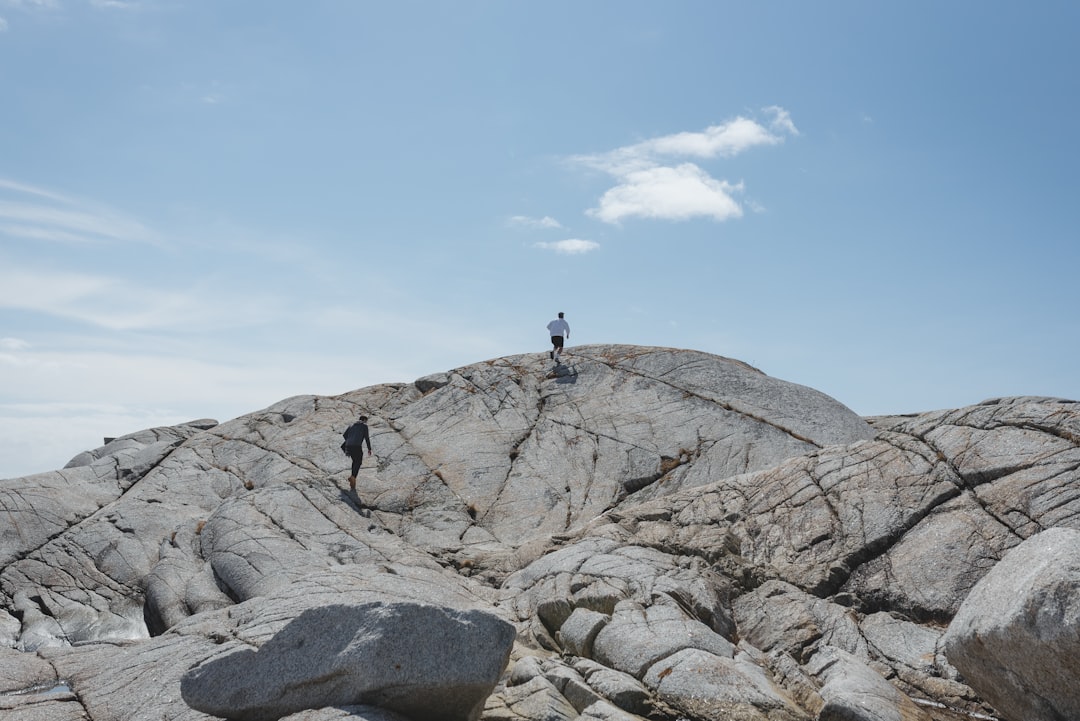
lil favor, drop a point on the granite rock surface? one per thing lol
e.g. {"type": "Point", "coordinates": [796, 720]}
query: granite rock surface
{"type": "Point", "coordinates": [634, 532]}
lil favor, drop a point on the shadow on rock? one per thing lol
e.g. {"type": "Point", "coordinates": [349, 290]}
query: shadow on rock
{"type": "Point", "coordinates": [564, 374]}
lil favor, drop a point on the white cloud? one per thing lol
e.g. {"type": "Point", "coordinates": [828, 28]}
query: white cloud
{"type": "Point", "coordinates": [650, 186]}
{"type": "Point", "coordinates": [754, 206]}
{"type": "Point", "coordinates": [3, 25]}
{"type": "Point", "coordinates": [570, 246]}
{"type": "Point", "coordinates": [13, 344]}
{"type": "Point", "coordinates": [34, 213]}
{"type": "Point", "coordinates": [546, 222]}
{"type": "Point", "coordinates": [680, 193]}
{"type": "Point", "coordinates": [781, 121]}
{"type": "Point", "coordinates": [724, 140]}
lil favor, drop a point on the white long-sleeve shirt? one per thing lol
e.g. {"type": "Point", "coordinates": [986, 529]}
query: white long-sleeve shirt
{"type": "Point", "coordinates": [559, 327]}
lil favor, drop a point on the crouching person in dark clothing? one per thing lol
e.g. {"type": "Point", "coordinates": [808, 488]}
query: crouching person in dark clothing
{"type": "Point", "coordinates": [356, 436]}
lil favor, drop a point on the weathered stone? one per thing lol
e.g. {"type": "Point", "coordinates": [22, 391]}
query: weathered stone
{"type": "Point", "coordinates": [638, 636]}
{"type": "Point", "coordinates": [536, 699]}
{"type": "Point", "coordinates": [571, 685]}
{"type": "Point", "coordinates": [9, 629]}
{"type": "Point", "coordinates": [914, 653]}
{"type": "Point", "coordinates": [24, 672]}
{"type": "Point", "coordinates": [46, 709]}
{"type": "Point", "coordinates": [579, 631]}
{"type": "Point", "coordinates": [691, 499]}
{"type": "Point", "coordinates": [779, 616]}
{"type": "Point", "coordinates": [1016, 638]}
{"type": "Point", "coordinates": [597, 573]}
{"type": "Point", "coordinates": [852, 691]}
{"type": "Point", "coordinates": [131, 681]}
{"type": "Point", "coordinates": [604, 711]}
{"type": "Point", "coordinates": [351, 713]}
{"type": "Point", "coordinates": [425, 662]}
{"type": "Point", "coordinates": [432, 382]}
{"type": "Point", "coordinates": [708, 686]}
{"type": "Point", "coordinates": [621, 689]}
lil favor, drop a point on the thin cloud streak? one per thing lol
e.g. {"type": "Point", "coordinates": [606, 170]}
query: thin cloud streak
{"type": "Point", "coordinates": [63, 219]}
{"type": "Point", "coordinates": [36, 233]}
{"type": "Point", "coordinates": [570, 246]}
{"type": "Point", "coordinates": [119, 305]}
{"type": "Point", "coordinates": [546, 222]}
{"type": "Point", "coordinates": [33, 4]}
{"type": "Point", "coordinates": [13, 344]}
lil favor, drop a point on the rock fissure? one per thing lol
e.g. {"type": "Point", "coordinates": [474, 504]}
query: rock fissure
{"type": "Point", "coordinates": [877, 548]}
{"type": "Point", "coordinates": [728, 406]}
{"type": "Point", "coordinates": [935, 458]}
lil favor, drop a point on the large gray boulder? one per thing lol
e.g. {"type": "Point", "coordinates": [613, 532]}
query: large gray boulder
{"type": "Point", "coordinates": [1016, 638]}
{"type": "Point", "coordinates": [135, 680]}
{"type": "Point", "coordinates": [426, 662]}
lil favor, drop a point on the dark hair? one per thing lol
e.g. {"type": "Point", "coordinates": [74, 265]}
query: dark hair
{"type": "Point", "coordinates": [560, 315]}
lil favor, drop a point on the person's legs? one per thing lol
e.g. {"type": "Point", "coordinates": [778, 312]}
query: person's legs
{"type": "Point", "coordinates": [357, 459]}
{"type": "Point", "coordinates": [556, 342]}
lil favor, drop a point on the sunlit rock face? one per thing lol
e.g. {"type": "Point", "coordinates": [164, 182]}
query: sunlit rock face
{"type": "Point", "coordinates": [664, 533]}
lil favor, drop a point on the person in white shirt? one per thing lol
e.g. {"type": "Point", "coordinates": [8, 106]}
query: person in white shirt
{"type": "Point", "coordinates": [558, 329]}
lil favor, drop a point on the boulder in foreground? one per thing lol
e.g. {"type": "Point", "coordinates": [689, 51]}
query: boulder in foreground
{"type": "Point", "coordinates": [427, 662]}
{"type": "Point", "coordinates": [1016, 638]}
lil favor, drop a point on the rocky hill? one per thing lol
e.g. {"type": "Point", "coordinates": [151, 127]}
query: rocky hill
{"type": "Point", "coordinates": [635, 533]}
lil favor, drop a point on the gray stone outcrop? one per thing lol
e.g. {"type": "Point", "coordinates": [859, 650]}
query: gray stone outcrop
{"type": "Point", "coordinates": [1016, 638]}
{"type": "Point", "coordinates": [425, 662]}
{"type": "Point", "coordinates": [646, 533]}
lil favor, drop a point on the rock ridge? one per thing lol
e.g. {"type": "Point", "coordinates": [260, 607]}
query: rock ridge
{"type": "Point", "coordinates": [633, 533]}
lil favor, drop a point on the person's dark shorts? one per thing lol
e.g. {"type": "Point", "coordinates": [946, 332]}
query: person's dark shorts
{"type": "Point", "coordinates": [556, 341]}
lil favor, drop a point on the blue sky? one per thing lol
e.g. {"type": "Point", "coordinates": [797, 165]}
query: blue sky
{"type": "Point", "coordinates": [206, 207]}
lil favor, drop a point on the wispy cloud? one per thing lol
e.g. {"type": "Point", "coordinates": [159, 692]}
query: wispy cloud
{"type": "Point", "coordinates": [781, 120]}
{"type": "Point", "coordinates": [33, 213]}
{"type": "Point", "coordinates": [55, 4]}
{"type": "Point", "coordinates": [32, 4]}
{"type": "Point", "coordinates": [118, 304]}
{"type": "Point", "coordinates": [3, 25]}
{"type": "Point", "coordinates": [652, 185]}
{"type": "Point", "coordinates": [570, 246]}
{"type": "Point", "coordinates": [546, 222]}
